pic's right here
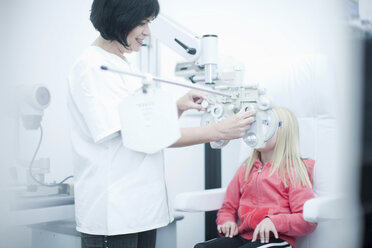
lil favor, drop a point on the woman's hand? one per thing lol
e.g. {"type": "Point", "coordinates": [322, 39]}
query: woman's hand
{"type": "Point", "coordinates": [235, 126]}
{"type": "Point", "coordinates": [229, 229]}
{"type": "Point", "coordinates": [192, 100]}
{"type": "Point", "coordinates": [263, 229]}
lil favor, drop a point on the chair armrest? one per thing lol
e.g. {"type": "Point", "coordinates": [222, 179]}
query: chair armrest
{"type": "Point", "coordinates": [325, 208]}
{"type": "Point", "coordinates": [200, 201]}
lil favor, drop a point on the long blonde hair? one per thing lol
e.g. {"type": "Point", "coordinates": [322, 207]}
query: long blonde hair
{"type": "Point", "coordinates": [286, 156]}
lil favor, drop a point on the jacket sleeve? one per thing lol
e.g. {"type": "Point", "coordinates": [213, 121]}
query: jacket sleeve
{"type": "Point", "coordinates": [229, 209]}
{"type": "Point", "coordinates": [294, 224]}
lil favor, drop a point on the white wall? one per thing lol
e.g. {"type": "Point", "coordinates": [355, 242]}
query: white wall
{"type": "Point", "coordinates": [43, 38]}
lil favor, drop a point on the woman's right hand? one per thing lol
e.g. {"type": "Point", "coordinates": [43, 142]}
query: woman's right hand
{"type": "Point", "coordinates": [235, 126]}
{"type": "Point", "coordinates": [229, 229]}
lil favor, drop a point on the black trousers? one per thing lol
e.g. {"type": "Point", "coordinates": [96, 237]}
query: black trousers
{"type": "Point", "coordinates": [134, 240]}
{"type": "Point", "coordinates": [239, 242]}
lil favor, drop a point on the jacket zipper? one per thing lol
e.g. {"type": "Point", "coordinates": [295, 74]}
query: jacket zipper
{"type": "Point", "coordinates": [257, 184]}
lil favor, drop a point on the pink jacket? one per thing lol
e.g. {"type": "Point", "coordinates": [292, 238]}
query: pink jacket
{"type": "Point", "coordinates": [263, 196]}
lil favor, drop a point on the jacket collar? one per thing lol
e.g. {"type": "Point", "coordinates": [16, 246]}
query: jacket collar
{"type": "Point", "coordinates": [258, 163]}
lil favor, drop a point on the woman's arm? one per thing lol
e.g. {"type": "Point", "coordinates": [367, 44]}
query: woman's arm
{"type": "Point", "coordinates": [228, 129]}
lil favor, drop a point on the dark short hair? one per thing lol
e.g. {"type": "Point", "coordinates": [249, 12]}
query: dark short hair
{"type": "Point", "coordinates": [114, 19]}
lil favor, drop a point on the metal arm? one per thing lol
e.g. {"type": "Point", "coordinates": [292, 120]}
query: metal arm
{"type": "Point", "coordinates": [202, 51]}
{"type": "Point", "coordinates": [176, 37]}
{"type": "Point", "coordinates": [162, 80]}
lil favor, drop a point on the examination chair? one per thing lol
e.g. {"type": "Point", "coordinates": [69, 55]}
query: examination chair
{"type": "Point", "coordinates": [305, 85]}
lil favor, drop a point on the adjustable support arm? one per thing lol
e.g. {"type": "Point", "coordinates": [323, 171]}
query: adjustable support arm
{"type": "Point", "coordinates": [202, 51]}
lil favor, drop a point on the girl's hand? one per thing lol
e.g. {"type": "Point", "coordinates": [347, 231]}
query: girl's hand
{"type": "Point", "coordinates": [192, 100]}
{"type": "Point", "coordinates": [264, 228]}
{"type": "Point", "coordinates": [230, 229]}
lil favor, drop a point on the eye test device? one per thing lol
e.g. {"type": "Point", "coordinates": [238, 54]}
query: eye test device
{"type": "Point", "coordinates": [244, 98]}
{"type": "Point", "coordinates": [227, 101]}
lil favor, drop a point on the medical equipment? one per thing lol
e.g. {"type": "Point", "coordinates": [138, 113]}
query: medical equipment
{"type": "Point", "coordinates": [244, 98]}
{"type": "Point", "coordinates": [148, 81]}
{"type": "Point", "coordinates": [33, 100]}
{"type": "Point", "coordinates": [153, 125]}
{"type": "Point", "coordinates": [203, 51]}
{"type": "Point", "coordinates": [227, 101]}
{"type": "Point", "coordinates": [201, 68]}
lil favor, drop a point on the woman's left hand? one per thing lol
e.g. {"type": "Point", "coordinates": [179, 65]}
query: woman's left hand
{"type": "Point", "coordinates": [192, 100]}
{"type": "Point", "coordinates": [263, 229]}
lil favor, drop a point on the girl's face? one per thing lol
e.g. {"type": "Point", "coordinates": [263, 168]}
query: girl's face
{"type": "Point", "coordinates": [270, 145]}
{"type": "Point", "coordinates": [138, 34]}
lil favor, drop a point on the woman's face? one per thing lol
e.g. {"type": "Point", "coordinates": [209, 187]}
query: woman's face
{"type": "Point", "coordinates": [138, 34]}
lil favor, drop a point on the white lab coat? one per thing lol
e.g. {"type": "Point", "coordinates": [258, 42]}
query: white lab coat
{"type": "Point", "coordinates": [117, 190]}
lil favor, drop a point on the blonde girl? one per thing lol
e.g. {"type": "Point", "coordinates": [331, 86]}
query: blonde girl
{"type": "Point", "coordinates": [264, 201]}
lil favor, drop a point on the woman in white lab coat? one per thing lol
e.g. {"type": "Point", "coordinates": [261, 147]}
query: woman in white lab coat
{"type": "Point", "coordinates": [120, 194]}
